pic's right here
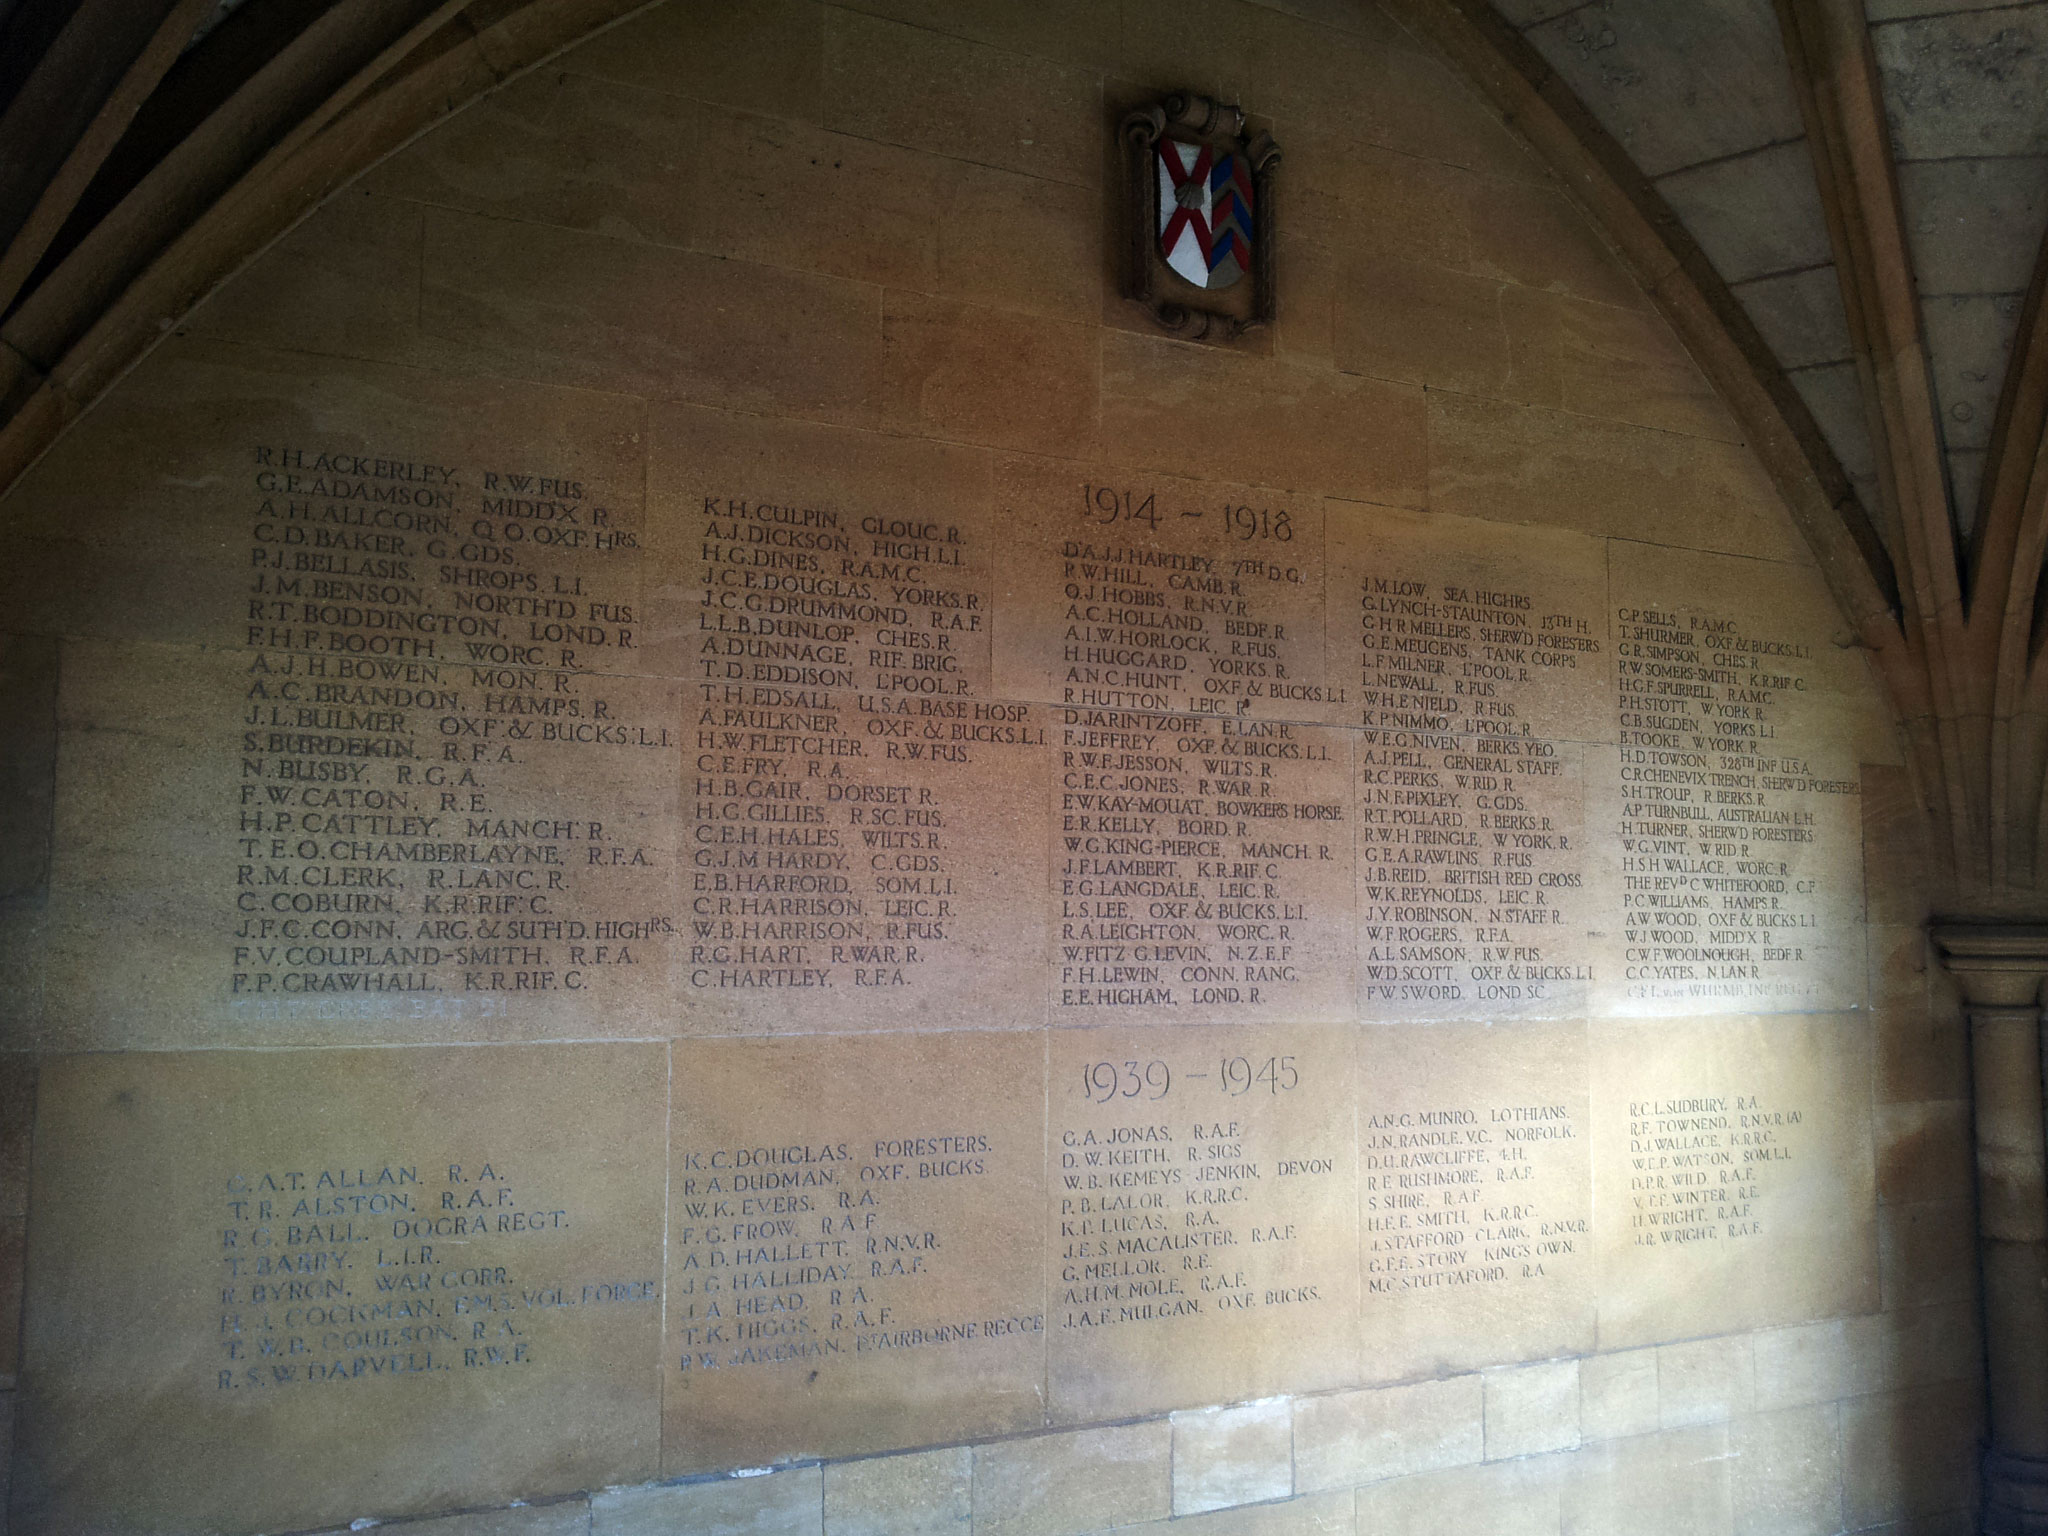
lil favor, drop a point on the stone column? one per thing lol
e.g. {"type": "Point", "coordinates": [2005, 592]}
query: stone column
{"type": "Point", "coordinates": [2001, 970]}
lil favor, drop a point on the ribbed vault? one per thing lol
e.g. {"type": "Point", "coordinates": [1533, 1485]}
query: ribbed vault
{"type": "Point", "coordinates": [153, 146]}
{"type": "Point", "coordinates": [1842, 213]}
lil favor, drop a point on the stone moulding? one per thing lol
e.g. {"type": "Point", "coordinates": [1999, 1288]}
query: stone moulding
{"type": "Point", "coordinates": [1182, 308]}
{"type": "Point", "coordinates": [1999, 964]}
{"type": "Point", "coordinates": [2001, 969]}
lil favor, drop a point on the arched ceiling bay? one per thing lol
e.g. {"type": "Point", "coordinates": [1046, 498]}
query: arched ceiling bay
{"type": "Point", "coordinates": [1867, 180]}
{"type": "Point", "coordinates": [1705, 99]}
{"type": "Point", "coordinates": [1839, 205]}
{"type": "Point", "coordinates": [1700, 96]}
{"type": "Point", "coordinates": [150, 147]}
{"type": "Point", "coordinates": [1966, 96]}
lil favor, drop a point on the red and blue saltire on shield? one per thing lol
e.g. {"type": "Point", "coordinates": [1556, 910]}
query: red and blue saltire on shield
{"type": "Point", "coordinates": [1205, 213]}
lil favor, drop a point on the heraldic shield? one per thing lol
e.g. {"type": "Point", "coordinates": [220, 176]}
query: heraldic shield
{"type": "Point", "coordinates": [1200, 254]}
{"type": "Point", "coordinates": [1205, 213]}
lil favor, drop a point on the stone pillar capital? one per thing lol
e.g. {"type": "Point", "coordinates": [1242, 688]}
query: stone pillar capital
{"type": "Point", "coordinates": [1998, 965]}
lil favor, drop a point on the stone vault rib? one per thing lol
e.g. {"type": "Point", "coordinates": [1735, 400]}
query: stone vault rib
{"type": "Point", "coordinates": [288, 126]}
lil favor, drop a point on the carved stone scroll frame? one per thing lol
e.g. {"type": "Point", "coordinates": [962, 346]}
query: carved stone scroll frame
{"type": "Point", "coordinates": [1147, 279]}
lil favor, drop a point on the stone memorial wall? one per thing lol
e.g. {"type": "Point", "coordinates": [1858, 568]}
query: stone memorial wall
{"type": "Point", "coordinates": [698, 833]}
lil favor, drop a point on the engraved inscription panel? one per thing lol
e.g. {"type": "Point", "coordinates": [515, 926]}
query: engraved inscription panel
{"type": "Point", "coordinates": [1475, 1195]}
{"type": "Point", "coordinates": [439, 764]}
{"type": "Point", "coordinates": [446, 723]}
{"type": "Point", "coordinates": [855, 1251]}
{"type": "Point", "coordinates": [1203, 1216]}
{"type": "Point", "coordinates": [247, 1261]}
{"type": "Point", "coordinates": [1728, 812]}
{"type": "Point", "coordinates": [1480, 666]}
{"type": "Point", "coordinates": [842, 726]}
{"type": "Point", "coordinates": [1733, 1174]}
{"type": "Point", "coordinates": [858, 809]}
{"type": "Point", "coordinates": [1156, 593]}
{"type": "Point", "coordinates": [1201, 868]}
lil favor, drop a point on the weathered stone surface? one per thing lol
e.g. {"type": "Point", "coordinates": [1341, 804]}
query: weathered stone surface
{"type": "Point", "coordinates": [1361, 1437]}
{"type": "Point", "coordinates": [755, 55]}
{"type": "Point", "coordinates": [1967, 85]}
{"type": "Point", "coordinates": [1787, 1472]}
{"type": "Point", "coordinates": [855, 1259]}
{"type": "Point", "coordinates": [1903, 1454]}
{"type": "Point", "coordinates": [1818, 1362]}
{"type": "Point", "coordinates": [1615, 362]}
{"type": "Point", "coordinates": [1634, 62]}
{"type": "Point", "coordinates": [783, 1504]}
{"type": "Point", "coordinates": [1618, 1394]}
{"type": "Point", "coordinates": [1525, 465]}
{"type": "Point", "coordinates": [1018, 241]}
{"type": "Point", "coordinates": [1073, 31]}
{"type": "Point", "coordinates": [1675, 1482]}
{"type": "Point", "coordinates": [1835, 397]}
{"type": "Point", "coordinates": [1924, 1253]}
{"type": "Point", "coordinates": [13, 1253]}
{"type": "Point", "coordinates": [1705, 1381]}
{"type": "Point", "coordinates": [1969, 349]}
{"type": "Point", "coordinates": [979, 103]}
{"type": "Point", "coordinates": [1734, 1157]}
{"type": "Point", "coordinates": [1082, 1480]}
{"type": "Point", "coordinates": [649, 320]}
{"type": "Point", "coordinates": [974, 374]}
{"type": "Point", "coordinates": [29, 672]}
{"type": "Point", "coordinates": [1531, 1409]}
{"type": "Point", "coordinates": [927, 1493]}
{"type": "Point", "coordinates": [1315, 1514]}
{"type": "Point", "coordinates": [410, 1247]}
{"type": "Point", "coordinates": [1531, 235]}
{"type": "Point", "coordinates": [17, 1120]}
{"type": "Point", "coordinates": [1923, 1345]}
{"type": "Point", "coordinates": [1209, 47]}
{"type": "Point", "coordinates": [1349, 436]}
{"type": "Point", "coordinates": [1226, 1456]}
{"type": "Point", "coordinates": [1974, 225]}
{"type": "Point", "coordinates": [640, 165]}
{"type": "Point", "coordinates": [1469, 331]}
{"type": "Point", "coordinates": [1924, 1150]}
{"type": "Point", "coordinates": [1510, 1498]}
{"type": "Point", "coordinates": [569, 1517]}
{"type": "Point", "coordinates": [1475, 1195]}
{"type": "Point", "coordinates": [1800, 315]}
{"type": "Point", "coordinates": [1421, 324]}
{"type": "Point", "coordinates": [1201, 1227]}
{"type": "Point", "coordinates": [1526, 13]}
{"type": "Point", "coordinates": [1361, 200]}
{"type": "Point", "coordinates": [1366, 80]}
{"type": "Point", "coordinates": [1729, 811]}
{"type": "Point", "coordinates": [1754, 215]}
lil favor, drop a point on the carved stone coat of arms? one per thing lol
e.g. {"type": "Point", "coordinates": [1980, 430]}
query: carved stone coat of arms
{"type": "Point", "coordinates": [1199, 194]}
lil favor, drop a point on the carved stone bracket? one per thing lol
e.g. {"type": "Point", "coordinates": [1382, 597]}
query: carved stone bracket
{"type": "Point", "coordinates": [2001, 970]}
